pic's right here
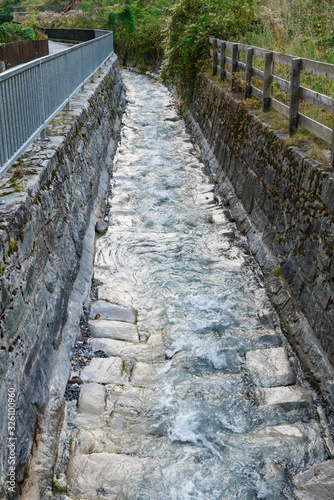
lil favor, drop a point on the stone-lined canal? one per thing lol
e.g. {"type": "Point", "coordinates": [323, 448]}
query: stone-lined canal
{"type": "Point", "coordinates": [194, 397]}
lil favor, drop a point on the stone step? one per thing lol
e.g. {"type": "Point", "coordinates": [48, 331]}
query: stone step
{"type": "Point", "coordinates": [101, 309]}
{"type": "Point", "coordinates": [316, 483]}
{"type": "Point", "coordinates": [107, 440]}
{"type": "Point", "coordinates": [117, 330]}
{"type": "Point", "coordinates": [281, 395]}
{"type": "Point", "coordinates": [146, 375]}
{"type": "Point", "coordinates": [270, 367]}
{"type": "Point", "coordinates": [107, 291]}
{"type": "Point", "coordinates": [92, 399]}
{"type": "Point", "coordinates": [111, 476]}
{"type": "Point", "coordinates": [103, 371]}
{"type": "Point", "coordinates": [137, 399]}
{"type": "Point", "coordinates": [127, 350]}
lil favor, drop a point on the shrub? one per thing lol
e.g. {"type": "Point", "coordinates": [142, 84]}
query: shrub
{"type": "Point", "coordinates": [6, 17]}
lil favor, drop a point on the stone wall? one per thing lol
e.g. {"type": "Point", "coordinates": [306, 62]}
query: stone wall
{"type": "Point", "coordinates": [46, 248]}
{"type": "Point", "coordinates": [284, 203]}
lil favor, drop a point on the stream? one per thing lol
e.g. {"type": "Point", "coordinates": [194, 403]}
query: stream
{"type": "Point", "coordinates": [187, 410]}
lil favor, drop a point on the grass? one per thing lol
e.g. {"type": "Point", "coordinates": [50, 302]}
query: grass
{"type": "Point", "coordinates": [315, 147]}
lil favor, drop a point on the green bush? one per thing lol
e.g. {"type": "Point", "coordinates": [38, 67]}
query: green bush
{"type": "Point", "coordinates": [15, 32]}
{"type": "Point", "coordinates": [191, 22]}
{"type": "Point", "coordinates": [6, 17]}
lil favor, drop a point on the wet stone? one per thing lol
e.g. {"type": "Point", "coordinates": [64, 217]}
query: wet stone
{"type": "Point", "coordinates": [114, 330]}
{"type": "Point", "coordinates": [137, 399]}
{"type": "Point", "coordinates": [146, 375]}
{"type": "Point", "coordinates": [101, 309]}
{"type": "Point", "coordinates": [316, 483]}
{"type": "Point", "coordinates": [101, 227]}
{"type": "Point", "coordinates": [92, 399]}
{"type": "Point", "coordinates": [126, 350]}
{"type": "Point", "coordinates": [108, 292]}
{"type": "Point", "coordinates": [109, 475]}
{"type": "Point", "coordinates": [270, 367]}
{"type": "Point", "coordinates": [103, 371]}
{"type": "Point", "coordinates": [285, 394]}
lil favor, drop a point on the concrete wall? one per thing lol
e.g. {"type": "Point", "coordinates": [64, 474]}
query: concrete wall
{"type": "Point", "coordinates": [46, 250]}
{"type": "Point", "coordinates": [284, 203]}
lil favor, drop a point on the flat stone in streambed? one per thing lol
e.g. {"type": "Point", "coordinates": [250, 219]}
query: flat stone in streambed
{"type": "Point", "coordinates": [102, 309]}
{"type": "Point", "coordinates": [268, 396]}
{"type": "Point", "coordinates": [92, 399]}
{"type": "Point", "coordinates": [270, 367]}
{"type": "Point", "coordinates": [147, 374]}
{"type": "Point", "coordinates": [103, 371]}
{"type": "Point", "coordinates": [117, 330]}
{"type": "Point", "coordinates": [142, 401]}
{"type": "Point", "coordinates": [117, 476]}
{"type": "Point", "coordinates": [316, 483]}
{"type": "Point", "coordinates": [127, 350]}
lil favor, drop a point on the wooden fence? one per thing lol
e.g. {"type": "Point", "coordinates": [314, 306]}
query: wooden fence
{"type": "Point", "coordinates": [292, 87]}
{"type": "Point", "coordinates": [24, 51]}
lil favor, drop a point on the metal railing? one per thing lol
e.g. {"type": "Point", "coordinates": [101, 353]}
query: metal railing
{"type": "Point", "coordinates": [33, 94]}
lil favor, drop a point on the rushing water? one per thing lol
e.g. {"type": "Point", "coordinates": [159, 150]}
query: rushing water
{"type": "Point", "coordinates": [174, 254]}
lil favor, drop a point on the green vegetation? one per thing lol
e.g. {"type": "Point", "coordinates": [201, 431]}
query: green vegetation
{"type": "Point", "coordinates": [174, 32]}
{"type": "Point", "coordinates": [6, 17]}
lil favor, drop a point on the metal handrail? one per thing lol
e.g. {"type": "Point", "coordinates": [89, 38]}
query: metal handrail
{"type": "Point", "coordinates": [34, 93]}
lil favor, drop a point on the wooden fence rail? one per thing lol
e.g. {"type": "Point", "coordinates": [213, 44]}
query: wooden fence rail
{"type": "Point", "coordinates": [267, 76]}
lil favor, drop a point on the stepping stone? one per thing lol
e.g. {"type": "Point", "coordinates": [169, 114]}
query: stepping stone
{"type": "Point", "coordinates": [117, 476]}
{"type": "Point", "coordinates": [92, 399]}
{"type": "Point", "coordinates": [138, 399]}
{"type": "Point", "coordinates": [280, 395]}
{"type": "Point", "coordinates": [103, 371]}
{"type": "Point", "coordinates": [115, 440]}
{"type": "Point", "coordinates": [145, 375]}
{"type": "Point", "coordinates": [116, 296]}
{"type": "Point", "coordinates": [126, 350]}
{"type": "Point", "coordinates": [114, 330]}
{"type": "Point", "coordinates": [101, 309]}
{"type": "Point", "coordinates": [316, 483]}
{"type": "Point", "coordinates": [270, 367]}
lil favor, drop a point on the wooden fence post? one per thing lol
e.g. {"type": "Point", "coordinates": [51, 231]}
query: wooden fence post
{"type": "Point", "coordinates": [222, 61]}
{"type": "Point", "coordinates": [332, 150]}
{"type": "Point", "coordinates": [234, 62]}
{"type": "Point", "coordinates": [267, 78]}
{"type": "Point", "coordinates": [294, 94]}
{"type": "Point", "coordinates": [214, 57]}
{"type": "Point", "coordinates": [249, 72]}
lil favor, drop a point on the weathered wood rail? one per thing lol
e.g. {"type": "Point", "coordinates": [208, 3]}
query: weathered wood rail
{"type": "Point", "coordinates": [268, 77]}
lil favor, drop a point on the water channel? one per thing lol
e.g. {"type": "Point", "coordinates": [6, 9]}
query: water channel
{"type": "Point", "coordinates": [185, 419]}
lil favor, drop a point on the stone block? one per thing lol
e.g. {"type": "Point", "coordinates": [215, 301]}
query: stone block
{"type": "Point", "coordinates": [315, 483]}
{"type": "Point", "coordinates": [103, 371]}
{"type": "Point", "coordinates": [116, 475]}
{"type": "Point", "coordinates": [281, 395]}
{"type": "Point", "coordinates": [270, 367]}
{"type": "Point", "coordinates": [113, 312]}
{"type": "Point", "coordinates": [114, 330]}
{"type": "Point", "coordinates": [92, 399]}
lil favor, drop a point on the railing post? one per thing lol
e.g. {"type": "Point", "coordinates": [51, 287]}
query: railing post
{"type": "Point", "coordinates": [294, 94]}
{"type": "Point", "coordinates": [267, 79]}
{"type": "Point", "coordinates": [249, 73]}
{"type": "Point", "coordinates": [222, 61]}
{"type": "Point", "coordinates": [214, 57]}
{"type": "Point", "coordinates": [234, 62]}
{"type": "Point", "coordinates": [42, 103]}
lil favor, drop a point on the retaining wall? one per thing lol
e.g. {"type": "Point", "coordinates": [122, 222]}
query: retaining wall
{"type": "Point", "coordinates": [46, 250]}
{"type": "Point", "coordinates": [284, 202]}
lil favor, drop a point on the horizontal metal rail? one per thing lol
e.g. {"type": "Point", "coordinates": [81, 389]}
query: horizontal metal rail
{"type": "Point", "coordinates": [33, 94]}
